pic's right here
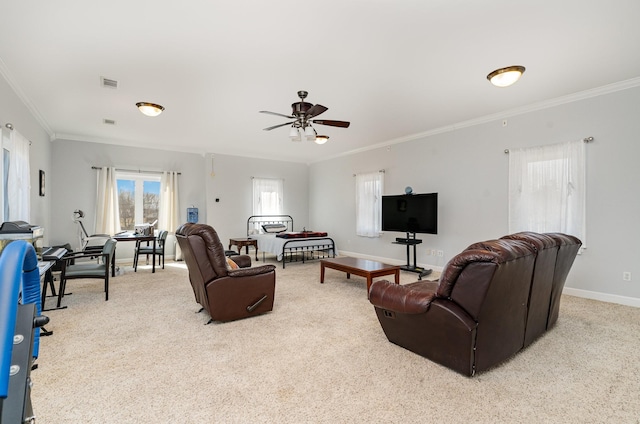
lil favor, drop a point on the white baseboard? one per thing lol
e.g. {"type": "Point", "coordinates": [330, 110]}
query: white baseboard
{"type": "Point", "coordinates": [603, 297]}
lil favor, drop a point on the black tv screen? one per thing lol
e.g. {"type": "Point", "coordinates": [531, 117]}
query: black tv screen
{"type": "Point", "coordinates": [410, 213]}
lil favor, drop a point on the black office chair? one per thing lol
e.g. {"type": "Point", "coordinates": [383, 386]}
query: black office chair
{"type": "Point", "coordinates": [88, 269]}
{"type": "Point", "coordinates": [147, 250]}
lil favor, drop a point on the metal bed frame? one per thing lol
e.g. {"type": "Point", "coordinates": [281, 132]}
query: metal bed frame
{"type": "Point", "coordinates": [295, 249]}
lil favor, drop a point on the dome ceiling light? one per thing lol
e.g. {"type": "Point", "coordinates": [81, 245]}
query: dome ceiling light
{"type": "Point", "coordinates": [505, 77]}
{"type": "Point", "coordinates": [150, 109]}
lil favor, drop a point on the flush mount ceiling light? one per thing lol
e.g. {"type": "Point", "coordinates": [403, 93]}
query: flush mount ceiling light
{"type": "Point", "coordinates": [504, 77]}
{"type": "Point", "coordinates": [321, 139]}
{"type": "Point", "coordinates": [150, 109]}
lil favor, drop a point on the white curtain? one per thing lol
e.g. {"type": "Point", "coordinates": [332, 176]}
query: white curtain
{"type": "Point", "coordinates": [268, 194]}
{"type": "Point", "coordinates": [547, 189]}
{"type": "Point", "coordinates": [107, 209]}
{"type": "Point", "coordinates": [19, 181]}
{"type": "Point", "coordinates": [169, 214]}
{"type": "Point", "coordinates": [369, 204]}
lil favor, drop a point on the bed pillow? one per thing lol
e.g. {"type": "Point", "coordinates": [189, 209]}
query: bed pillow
{"type": "Point", "coordinates": [274, 228]}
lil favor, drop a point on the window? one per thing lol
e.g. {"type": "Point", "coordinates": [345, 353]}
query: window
{"type": "Point", "coordinates": [138, 198]}
{"type": "Point", "coordinates": [15, 174]}
{"type": "Point", "coordinates": [268, 196]}
{"type": "Point", "coordinates": [547, 189]}
{"type": "Point", "coordinates": [369, 203]}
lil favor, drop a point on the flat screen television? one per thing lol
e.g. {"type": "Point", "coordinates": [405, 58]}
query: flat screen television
{"type": "Point", "coordinates": [410, 213]}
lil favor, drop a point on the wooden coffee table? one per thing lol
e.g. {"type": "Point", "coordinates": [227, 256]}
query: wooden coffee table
{"type": "Point", "coordinates": [361, 267]}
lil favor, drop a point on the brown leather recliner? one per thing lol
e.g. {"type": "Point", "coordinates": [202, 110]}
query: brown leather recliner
{"type": "Point", "coordinates": [478, 314]}
{"type": "Point", "coordinates": [226, 294]}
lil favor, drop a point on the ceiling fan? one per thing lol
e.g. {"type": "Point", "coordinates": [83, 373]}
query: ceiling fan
{"type": "Point", "coordinates": [302, 115]}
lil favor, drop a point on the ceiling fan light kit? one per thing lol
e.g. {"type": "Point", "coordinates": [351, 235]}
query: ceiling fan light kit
{"type": "Point", "coordinates": [294, 134]}
{"type": "Point", "coordinates": [150, 109]}
{"type": "Point", "coordinates": [310, 133]}
{"type": "Point", "coordinates": [505, 77]}
{"type": "Point", "coordinates": [302, 114]}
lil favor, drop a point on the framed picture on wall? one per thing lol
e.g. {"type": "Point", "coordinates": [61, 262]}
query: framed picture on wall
{"type": "Point", "coordinates": [41, 182]}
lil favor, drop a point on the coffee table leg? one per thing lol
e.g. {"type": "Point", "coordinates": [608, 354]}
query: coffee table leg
{"type": "Point", "coordinates": [348, 275]}
{"type": "Point", "coordinates": [321, 273]}
{"type": "Point", "coordinates": [397, 277]}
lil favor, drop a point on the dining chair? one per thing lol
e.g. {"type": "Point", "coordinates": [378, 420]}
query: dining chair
{"type": "Point", "coordinates": [147, 250]}
{"type": "Point", "coordinates": [74, 268]}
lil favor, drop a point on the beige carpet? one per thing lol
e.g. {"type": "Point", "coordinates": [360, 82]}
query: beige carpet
{"type": "Point", "coordinates": [320, 357]}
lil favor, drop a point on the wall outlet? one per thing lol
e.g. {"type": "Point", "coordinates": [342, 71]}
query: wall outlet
{"type": "Point", "coordinates": [626, 276]}
{"type": "Point", "coordinates": [440, 253]}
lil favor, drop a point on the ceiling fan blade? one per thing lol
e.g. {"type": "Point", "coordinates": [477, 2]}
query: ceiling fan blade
{"type": "Point", "coordinates": [341, 124]}
{"type": "Point", "coordinates": [278, 126]}
{"type": "Point", "coordinates": [316, 110]}
{"type": "Point", "coordinates": [278, 114]}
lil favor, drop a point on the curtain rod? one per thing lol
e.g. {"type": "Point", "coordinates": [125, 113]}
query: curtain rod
{"type": "Point", "coordinates": [9, 126]}
{"type": "Point", "coordinates": [586, 140]}
{"type": "Point", "coordinates": [382, 171]}
{"type": "Point", "coordinates": [139, 171]}
{"type": "Point", "coordinates": [266, 178]}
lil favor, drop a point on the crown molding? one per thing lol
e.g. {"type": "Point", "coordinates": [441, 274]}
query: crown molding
{"type": "Point", "coordinates": [121, 142]}
{"type": "Point", "coordinates": [4, 71]}
{"type": "Point", "coordinates": [570, 98]}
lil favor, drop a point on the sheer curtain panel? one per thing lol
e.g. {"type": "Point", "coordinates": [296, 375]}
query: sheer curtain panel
{"type": "Point", "coordinates": [369, 204]}
{"type": "Point", "coordinates": [547, 189]}
{"type": "Point", "coordinates": [107, 210]}
{"type": "Point", "coordinates": [268, 194]}
{"type": "Point", "coordinates": [169, 215]}
{"type": "Point", "coordinates": [19, 181]}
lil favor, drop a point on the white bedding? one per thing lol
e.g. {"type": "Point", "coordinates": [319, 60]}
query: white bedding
{"type": "Point", "coordinates": [271, 244]}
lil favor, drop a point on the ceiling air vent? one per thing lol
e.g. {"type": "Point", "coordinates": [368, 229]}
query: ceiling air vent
{"type": "Point", "coordinates": [109, 121]}
{"type": "Point", "coordinates": [108, 83]}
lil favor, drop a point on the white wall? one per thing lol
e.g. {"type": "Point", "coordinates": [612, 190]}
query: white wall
{"type": "Point", "coordinates": [232, 185]}
{"type": "Point", "coordinates": [467, 167]}
{"type": "Point", "coordinates": [74, 183]}
{"type": "Point", "coordinates": [469, 170]}
{"type": "Point", "coordinates": [74, 186]}
{"type": "Point", "coordinates": [13, 110]}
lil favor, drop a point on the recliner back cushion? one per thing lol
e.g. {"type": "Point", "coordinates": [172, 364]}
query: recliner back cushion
{"type": "Point", "coordinates": [567, 251]}
{"type": "Point", "coordinates": [541, 283]}
{"type": "Point", "coordinates": [207, 249]}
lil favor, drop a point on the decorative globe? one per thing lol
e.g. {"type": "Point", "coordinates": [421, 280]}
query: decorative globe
{"type": "Point", "coordinates": [408, 190]}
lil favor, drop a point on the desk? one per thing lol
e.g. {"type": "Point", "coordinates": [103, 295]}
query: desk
{"type": "Point", "coordinates": [246, 242]}
{"type": "Point", "coordinates": [137, 238]}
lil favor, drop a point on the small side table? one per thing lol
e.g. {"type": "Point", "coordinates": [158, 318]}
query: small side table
{"type": "Point", "coordinates": [244, 242]}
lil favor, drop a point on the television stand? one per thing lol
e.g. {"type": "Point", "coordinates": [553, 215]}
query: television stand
{"type": "Point", "coordinates": [409, 241]}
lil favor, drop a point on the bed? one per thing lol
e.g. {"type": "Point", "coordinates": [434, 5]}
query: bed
{"type": "Point", "coordinates": [275, 235]}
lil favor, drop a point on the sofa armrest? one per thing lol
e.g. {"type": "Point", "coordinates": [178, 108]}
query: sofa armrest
{"type": "Point", "coordinates": [243, 261]}
{"type": "Point", "coordinates": [414, 298]}
{"type": "Point", "coordinates": [245, 272]}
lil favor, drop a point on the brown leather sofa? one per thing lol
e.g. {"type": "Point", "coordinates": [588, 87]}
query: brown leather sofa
{"type": "Point", "coordinates": [492, 300]}
{"type": "Point", "coordinates": [226, 294]}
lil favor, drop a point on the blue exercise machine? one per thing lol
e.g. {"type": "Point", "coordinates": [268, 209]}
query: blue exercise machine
{"type": "Point", "coordinates": [20, 323]}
